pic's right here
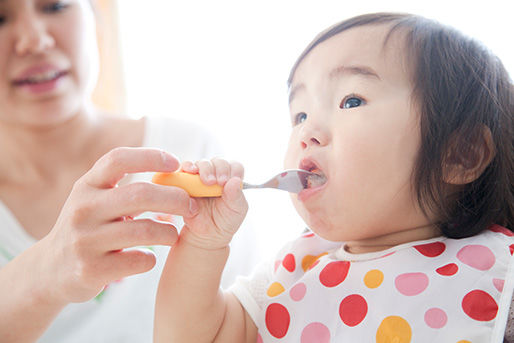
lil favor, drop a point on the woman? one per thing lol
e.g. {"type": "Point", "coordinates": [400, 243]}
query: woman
{"type": "Point", "coordinates": [65, 217]}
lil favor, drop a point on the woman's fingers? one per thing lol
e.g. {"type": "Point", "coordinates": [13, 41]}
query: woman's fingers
{"type": "Point", "coordinates": [120, 264]}
{"type": "Point", "coordinates": [114, 165]}
{"type": "Point", "coordinates": [130, 233]}
{"type": "Point", "coordinates": [136, 198]}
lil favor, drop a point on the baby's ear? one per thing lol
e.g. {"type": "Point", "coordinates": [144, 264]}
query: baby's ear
{"type": "Point", "coordinates": [465, 164]}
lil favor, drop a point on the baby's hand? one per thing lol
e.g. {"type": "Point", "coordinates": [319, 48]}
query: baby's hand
{"type": "Point", "coordinates": [216, 219]}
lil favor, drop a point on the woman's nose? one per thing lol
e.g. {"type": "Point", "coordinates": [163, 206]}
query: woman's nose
{"type": "Point", "coordinates": [313, 134]}
{"type": "Point", "coordinates": [32, 36]}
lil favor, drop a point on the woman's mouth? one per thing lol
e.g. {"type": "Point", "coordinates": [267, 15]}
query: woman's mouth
{"type": "Point", "coordinates": [39, 78]}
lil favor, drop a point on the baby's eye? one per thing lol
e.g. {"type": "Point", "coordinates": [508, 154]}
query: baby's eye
{"type": "Point", "coordinates": [351, 101]}
{"type": "Point", "coordinates": [299, 118]}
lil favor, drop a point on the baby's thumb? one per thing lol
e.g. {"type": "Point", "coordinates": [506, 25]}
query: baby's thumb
{"type": "Point", "coordinates": [234, 197]}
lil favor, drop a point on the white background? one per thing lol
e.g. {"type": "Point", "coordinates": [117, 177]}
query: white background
{"type": "Point", "coordinates": [224, 64]}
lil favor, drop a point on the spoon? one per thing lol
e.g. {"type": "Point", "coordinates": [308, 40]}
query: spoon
{"type": "Point", "coordinates": [292, 180]}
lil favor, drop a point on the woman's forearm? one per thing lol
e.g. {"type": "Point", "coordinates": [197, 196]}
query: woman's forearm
{"type": "Point", "coordinates": [190, 306]}
{"type": "Point", "coordinates": [27, 302]}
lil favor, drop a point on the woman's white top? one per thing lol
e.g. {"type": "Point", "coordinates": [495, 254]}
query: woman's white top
{"type": "Point", "coordinates": [124, 311]}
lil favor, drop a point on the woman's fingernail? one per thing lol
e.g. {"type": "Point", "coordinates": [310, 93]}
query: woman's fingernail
{"type": "Point", "coordinates": [193, 206]}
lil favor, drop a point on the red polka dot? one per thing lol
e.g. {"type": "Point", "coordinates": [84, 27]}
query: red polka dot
{"type": "Point", "coordinates": [448, 270]}
{"type": "Point", "coordinates": [511, 248]}
{"type": "Point", "coordinates": [307, 235]}
{"type": "Point", "coordinates": [431, 249]}
{"type": "Point", "coordinates": [289, 263]}
{"type": "Point", "coordinates": [277, 320]}
{"type": "Point", "coordinates": [501, 229]}
{"type": "Point", "coordinates": [479, 305]}
{"type": "Point", "coordinates": [334, 273]}
{"type": "Point", "coordinates": [353, 309]}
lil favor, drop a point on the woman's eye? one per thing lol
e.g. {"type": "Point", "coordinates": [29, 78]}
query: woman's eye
{"type": "Point", "coordinates": [351, 101]}
{"type": "Point", "coordinates": [299, 118]}
{"type": "Point", "coordinates": [56, 6]}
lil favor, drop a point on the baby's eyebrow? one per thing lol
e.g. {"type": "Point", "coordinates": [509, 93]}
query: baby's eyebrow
{"type": "Point", "coordinates": [338, 72]}
{"type": "Point", "coordinates": [354, 70]}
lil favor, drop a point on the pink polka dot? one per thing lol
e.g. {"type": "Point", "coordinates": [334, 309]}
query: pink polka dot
{"type": "Point", "coordinates": [315, 333]}
{"type": "Point", "coordinates": [289, 263]}
{"type": "Point", "coordinates": [277, 264]}
{"type": "Point", "coordinates": [298, 291]}
{"type": "Point", "coordinates": [431, 249]}
{"type": "Point", "coordinates": [435, 318]}
{"type": "Point", "coordinates": [259, 338]}
{"type": "Point", "coordinates": [501, 229]}
{"type": "Point", "coordinates": [334, 273]}
{"type": "Point", "coordinates": [477, 256]}
{"type": "Point", "coordinates": [277, 320]}
{"type": "Point", "coordinates": [411, 283]}
{"type": "Point", "coordinates": [353, 309]}
{"type": "Point", "coordinates": [498, 283]}
{"type": "Point", "coordinates": [479, 305]}
{"type": "Point", "coordinates": [448, 270]}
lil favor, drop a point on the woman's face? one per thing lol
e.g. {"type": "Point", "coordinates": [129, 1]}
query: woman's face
{"type": "Point", "coordinates": [48, 60]}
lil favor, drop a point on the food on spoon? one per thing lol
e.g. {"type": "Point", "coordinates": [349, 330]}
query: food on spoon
{"type": "Point", "coordinates": [191, 183]}
{"type": "Point", "coordinates": [315, 180]}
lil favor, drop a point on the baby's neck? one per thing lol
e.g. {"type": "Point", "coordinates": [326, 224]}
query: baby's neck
{"type": "Point", "coordinates": [393, 239]}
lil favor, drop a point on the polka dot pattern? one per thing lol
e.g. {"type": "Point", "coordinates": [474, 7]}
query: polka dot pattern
{"type": "Point", "coordinates": [431, 249]}
{"type": "Point", "coordinates": [436, 318]}
{"type": "Point", "coordinates": [315, 333]}
{"type": "Point", "coordinates": [448, 270]}
{"type": "Point", "coordinates": [277, 320]}
{"type": "Point", "coordinates": [394, 329]}
{"type": "Point", "coordinates": [479, 305]}
{"type": "Point", "coordinates": [298, 291]}
{"type": "Point", "coordinates": [373, 278]}
{"type": "Point", "coordinates": [289, 263]}
{"type": "Point", "coordinates": [411, 283]}
{"type": "Point", "coordinates": [387, 298]}
{"type": "Point", "coordinates": [334, 273]}
{"type": "Point", "coordinates": [477, 256]}
{"type": "Point", "coordinates": [353, 309]}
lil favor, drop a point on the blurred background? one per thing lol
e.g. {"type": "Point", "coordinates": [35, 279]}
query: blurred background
{"type": "Point", "coordinates": [224, 64]}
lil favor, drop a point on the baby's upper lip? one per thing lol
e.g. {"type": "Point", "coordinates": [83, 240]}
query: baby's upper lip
{"type": "Point", "coordinates": [310, 164]}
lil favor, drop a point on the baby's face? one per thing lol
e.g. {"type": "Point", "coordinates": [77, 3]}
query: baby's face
{"type": "Point", "coordinates": [354, 121]}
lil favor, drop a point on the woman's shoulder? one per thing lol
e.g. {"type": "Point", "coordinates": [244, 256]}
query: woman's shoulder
{"type": "Point", "coordinates": [187, 140]}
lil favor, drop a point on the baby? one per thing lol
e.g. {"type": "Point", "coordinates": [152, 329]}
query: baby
{"type": "Point", "coordinates": [409, 123]}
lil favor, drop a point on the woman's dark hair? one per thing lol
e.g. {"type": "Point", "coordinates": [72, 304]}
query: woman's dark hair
{"type": "Point", "coordinates": [461, 88]}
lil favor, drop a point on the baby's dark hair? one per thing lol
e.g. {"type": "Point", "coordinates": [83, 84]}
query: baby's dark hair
{"type": "Point", "coordinates": [461, 88]}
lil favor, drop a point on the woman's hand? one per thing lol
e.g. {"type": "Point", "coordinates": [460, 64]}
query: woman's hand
{"type": "Point", "coordinates": [218, 218]}
{"type": "Point", "coordinates": [86, 249]}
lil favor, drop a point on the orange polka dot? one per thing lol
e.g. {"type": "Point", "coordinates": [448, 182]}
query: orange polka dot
{"type": "Point", "coordinates": [275, 289]}
{"type": "Point", "coordinates": [373, 278]}
{"type": "Point", "coordinates": [394, 329]}
{"type": "Point", "coordinates": [309, 260]}
{"type": "Point", "coordinates": [464, 341]}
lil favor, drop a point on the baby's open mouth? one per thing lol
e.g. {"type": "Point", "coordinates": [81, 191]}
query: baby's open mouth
{"type": "Point", "coordinates": [316, 179]}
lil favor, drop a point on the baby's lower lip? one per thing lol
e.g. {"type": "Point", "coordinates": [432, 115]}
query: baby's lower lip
{"type": "Point", "coordinates": [310, 192]}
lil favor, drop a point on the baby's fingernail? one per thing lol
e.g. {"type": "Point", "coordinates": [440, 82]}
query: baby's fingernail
{"type": "Point", "coordinates": [222, 179]}
{"type": "Point", "coordinates": [193, 206]}
{"type": "Point", "coordinates": [211, 178]}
